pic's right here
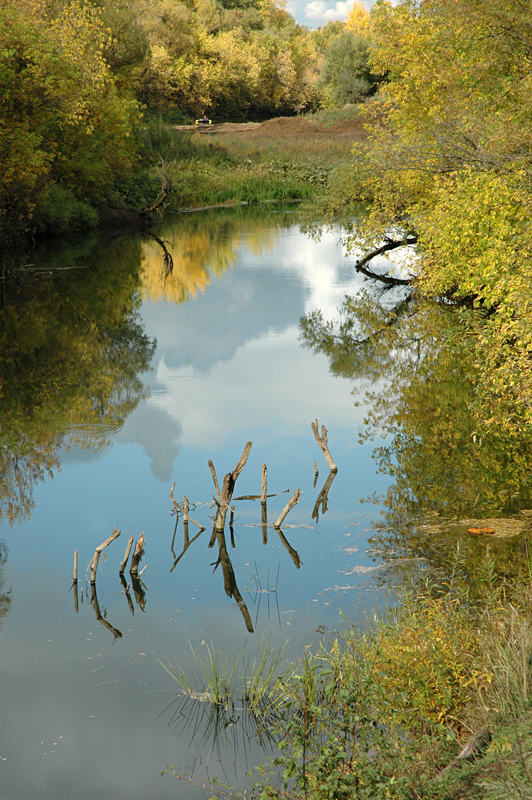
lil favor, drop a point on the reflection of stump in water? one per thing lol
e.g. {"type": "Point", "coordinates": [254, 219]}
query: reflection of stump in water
{"type": "Point", "coordinates": [128, 596]}
{"type": "Point", "coordinates": [140, 594]}
{"type": "Point", "coordinates": [294, 555]}
{"type": "Point", "coordinates": [96, 606]}
{"type": "Point", "coordinates": [323, 497]}
{"type": "Point", "coordinates": [231, 589]}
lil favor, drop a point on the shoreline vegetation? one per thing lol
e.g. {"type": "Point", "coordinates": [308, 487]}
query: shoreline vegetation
{"type": "Point", "coordinates": [429, 699]}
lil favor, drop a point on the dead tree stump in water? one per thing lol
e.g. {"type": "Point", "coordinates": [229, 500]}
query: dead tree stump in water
{"type": "Point", "coordinates": [137, 555]}
{"type": "Point", "coordinates": [123, 565]}
{"type": "Point", "coordinates": [226, 494]}
{"type": "Point", "coordinates": [322, 442]}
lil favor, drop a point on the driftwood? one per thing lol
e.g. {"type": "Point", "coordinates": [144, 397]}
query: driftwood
{"type": "Point", "coordinates": [123, 565]}
{"type": "Point", "coordinates": [215, 479]}
{"type": "Point", "coordinates": [263, 484]}
{"type": "Point", "coordinates": [291, 503]}
{"type": "Point", "coordinates": [75, 570]}
{"type": "Point", "coordinates": [257, 496]}
{"type": "Point", "coordinates": [316, 474]}
{"type": "Point", "coordinates": [322, 442]}
{"type": "Point", "coordinates": [264, 521]}
{"type": "Point", "coordinates": [138, 552]}
{"type": "Point", "coordinates": [226, 494]}
{"type": "Point", "coordinates": [94, 563]}
{"type": "Point", "coordinates": [323, 497]}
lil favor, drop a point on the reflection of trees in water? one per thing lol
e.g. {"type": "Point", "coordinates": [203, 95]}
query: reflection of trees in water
{"type": "Point", "coordinates": [5, 595]}
{"type": "Point", "coordinates": [446, 458]}
{"type": "Point", "coordinates": [72, 348]}
{"type": "Point", "coordinates": [202, 247]}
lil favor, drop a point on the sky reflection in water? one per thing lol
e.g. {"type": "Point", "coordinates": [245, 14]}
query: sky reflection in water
{"type": "Point", "coordinates": [79, 707]}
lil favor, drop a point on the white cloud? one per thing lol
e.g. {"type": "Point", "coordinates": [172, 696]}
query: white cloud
{"type": "Point", "coordinates": [320, 10]}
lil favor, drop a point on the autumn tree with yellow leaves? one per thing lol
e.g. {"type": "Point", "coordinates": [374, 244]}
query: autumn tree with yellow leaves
{"type": "Point", "coordinates": [447, 167]}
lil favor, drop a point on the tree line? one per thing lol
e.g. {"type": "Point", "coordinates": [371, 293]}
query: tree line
{"type": "Point", "coordinates": [78, 78]}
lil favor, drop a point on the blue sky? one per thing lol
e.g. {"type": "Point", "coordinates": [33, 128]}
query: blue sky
{"type": "Point", "coordinates": [316, 13]}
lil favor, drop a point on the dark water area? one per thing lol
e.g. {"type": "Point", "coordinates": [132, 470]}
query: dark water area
{"type": "Point", "coordinates": [120, 377]}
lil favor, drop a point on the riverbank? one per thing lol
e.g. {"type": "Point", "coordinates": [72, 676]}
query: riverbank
{"type": "Point", "coordinates": [431, 699]}
{"type": "Point", "coordinates": [287, 158]}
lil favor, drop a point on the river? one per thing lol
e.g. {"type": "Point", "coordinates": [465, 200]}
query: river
{"type": "Point", "coordinates": [120, 378]}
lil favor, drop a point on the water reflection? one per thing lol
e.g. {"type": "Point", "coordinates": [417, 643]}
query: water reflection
{"type": "Point", "coordinates": [453, 470]}
{"type": "Point", "coordinates": [222, 503]}
{"type": "Point", "coordinates": [199, 253]}
{"type": "Point", "coordinates": [72, 349]}
{"type": "Point", "coordinates": [5, 595]}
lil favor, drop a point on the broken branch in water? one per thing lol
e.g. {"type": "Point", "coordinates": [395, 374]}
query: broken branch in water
{"type": "Point", "coordinates": [264, 510]}
{"type": "Point", "coordinates": [137, 555]}
{"type": "Point", "coordinates": [263, 484]}
{"type": "Point", "coordinates": [74, 575]}
{"type": "Point", "coordinates": [126, 556]}
{"type": "Point", "coordinates": [291, 503]}
{"type": "Point", "coordinates": [215, 479]}
{"type": "Point", "coordinates": [181, 509]}
{"type": "Point", "coordinates": [94, 563]}
{"type": "Point", "coordinates": [322, 442]}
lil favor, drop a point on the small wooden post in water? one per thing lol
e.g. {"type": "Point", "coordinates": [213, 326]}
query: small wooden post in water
{"type": "Point", "coordinates": [94, 563]}
{"type": "Point", "coordinates": [75, 582]}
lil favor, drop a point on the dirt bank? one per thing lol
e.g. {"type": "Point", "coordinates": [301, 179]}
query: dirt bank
{"type": "Point", "coordinates": [282, 127]}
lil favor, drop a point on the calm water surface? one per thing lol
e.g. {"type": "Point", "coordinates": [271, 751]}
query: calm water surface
{"type": "Point", "coordinates": [83, 703]}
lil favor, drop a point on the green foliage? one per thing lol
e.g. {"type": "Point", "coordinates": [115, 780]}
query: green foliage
{"type": "Point", "coordinates": [346, 76]}
{"type": "Point", "coordinates": [447, 163]}
{"type": "Point", "coordinates": [62, 122]}
{"type": "Point", "coordinates": [58, 210]}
